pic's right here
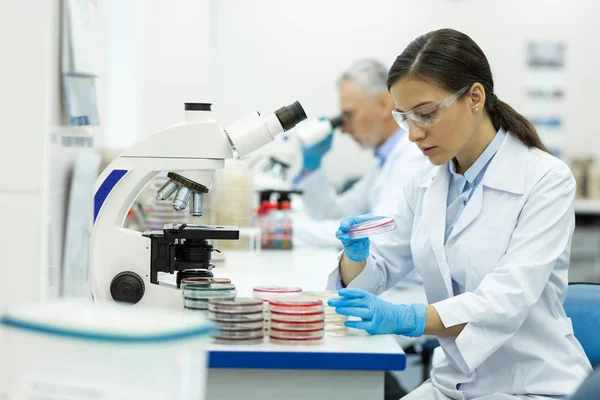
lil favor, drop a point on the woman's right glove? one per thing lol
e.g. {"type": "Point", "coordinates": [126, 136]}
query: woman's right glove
{"type": "Point", "coordinates": [356, 250]}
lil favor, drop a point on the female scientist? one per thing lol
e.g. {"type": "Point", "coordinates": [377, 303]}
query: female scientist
{"type": "Point", "coordinates": [488, 224]}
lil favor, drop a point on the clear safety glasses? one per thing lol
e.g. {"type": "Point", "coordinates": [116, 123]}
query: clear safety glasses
{"type": "Point", "coordinates": [427, 114]}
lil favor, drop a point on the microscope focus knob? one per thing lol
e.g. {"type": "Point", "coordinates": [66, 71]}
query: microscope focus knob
{"type": "Point", "coordinates": [127, 287]}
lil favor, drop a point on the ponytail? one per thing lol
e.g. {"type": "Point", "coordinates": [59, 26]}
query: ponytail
{"type": "Point", "coordinates": [504, 116]}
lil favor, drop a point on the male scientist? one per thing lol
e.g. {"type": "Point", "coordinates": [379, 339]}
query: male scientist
{"type": "Point", "coordinates": [366, 107]}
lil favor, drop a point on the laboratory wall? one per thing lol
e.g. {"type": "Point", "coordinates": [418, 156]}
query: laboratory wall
{"type": "Point", "coordinates": [247, 55]}
{"type": "Point", "coordinates": [185, 57]}
{"type": "Point", "coordinates": [36, 161]}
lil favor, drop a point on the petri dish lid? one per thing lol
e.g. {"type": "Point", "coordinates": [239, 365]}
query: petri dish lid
{"type": "Point", "coordinates": [228, 341]}
{"type": "Point", "coordinates": [241, 334]}
{"type": "Point", "coordinates": [297, 326]}
{"type": "Point", "coordinates": [286, 315]}
{"type": "Point", "coordinates": [297, 302]}
{"type": "Point", "coordinates": [237, 325]}
{"type": "Point", "coordinates": [326, 294]}
{"type": "Point", "coordinates": [206, 296]}
{"type": "Point", "coordinates": [201, 287]}
{"type": "Point", "coordinates": [297, 339]}
{"type": "Point", "coordinates": [195, 301]}
{"type": "Point", "coordinates": [106, 322]}
{"type": "Point", "coordinates": [239, 302]}
{"type": "Point", "coordinates": [322, 295]}
{"type": "Point", "coordinates": [277, 289]}
{"type": "Point", "coordinates": [236, 317]}
{"type": "Point", "coordinates": [241, 305]}
{"type": "Point", "coordinates": [205, 280]}
{"type": "Point", "coordinates": [372, 227]}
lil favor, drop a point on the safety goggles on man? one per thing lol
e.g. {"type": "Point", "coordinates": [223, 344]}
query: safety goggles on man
{"type": "Point", "coordinates": [427, 114]}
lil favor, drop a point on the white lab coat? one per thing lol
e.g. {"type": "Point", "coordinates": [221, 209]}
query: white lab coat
{"type": "Point", "coordinates": [514, 238]}
{"type": "Point", "coordinates": [377, 192]}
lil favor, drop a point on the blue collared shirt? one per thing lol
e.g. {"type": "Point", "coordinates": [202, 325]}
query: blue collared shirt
{"type": "Point", "coordinates": [386, 148]}
{"type": "Point", "coordinates": [462, 187]}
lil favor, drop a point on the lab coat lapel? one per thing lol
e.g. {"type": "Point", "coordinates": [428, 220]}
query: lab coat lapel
{"type": "Point", "coordinates": [506, 172]}
{"type": "Point", "coordinates": [434, 216]}
{"type": "Point", "coordinates": [470, 212]}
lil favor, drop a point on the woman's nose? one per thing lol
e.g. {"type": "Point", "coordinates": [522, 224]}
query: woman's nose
{"type": "Point", "coordinates": [415, 132]}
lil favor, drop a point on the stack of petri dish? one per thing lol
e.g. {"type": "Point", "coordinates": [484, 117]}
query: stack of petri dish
{"type": "Point", "coordinates": [334, 322]}
{"type": "Point", "coordinates": [296, 320]}
{"type": "Point", "coordinates": [267, 293]}
{"type": "Point", "coordinates": [240, 321]}
{"type": "Point", "coordinates": [196, 296]}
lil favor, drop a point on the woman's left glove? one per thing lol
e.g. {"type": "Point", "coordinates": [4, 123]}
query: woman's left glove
{"type": "Point", "coordinates": [378, 316]}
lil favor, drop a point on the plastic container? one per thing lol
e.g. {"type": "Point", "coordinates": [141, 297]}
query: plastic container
{"type": "Point", "coordinates": [335, 330]}
{"type": "Point", "coordinates": [107, 350]}
{"type": "Point", "coordinates": [268, 293]}
{"type": "Point", "coordinates": [196, 280]}
{"type": "Point", "coordinates": [250, 317]}
{"type": "Point", "coordinates": [296, 305]}
{"type": "Point", "coordinates": [241, 305]}
{"type": "Point", "coordinates": [195, 304]}
{"type": "Point", "coordinates": [288, 334]}
{"type": "Point", "coordinates": [241, 334]}
{"type": "Point", "coordinates": [372, 227]}
{"type": "Point", "coordinates": [335, 319]}
{"type": "Point", "coordinates": [196, 296]}
{"type": "Point", "coordinates": [209, 291]}
{"type": "Point", "coordinates": [239, 326]}
{"type": "Point", "coordinates": [296, 326]}
{"type": "Point", "coordinates": [317, 316]}
{"type": "Point", "coordinates": [334, 322]}
{"type": "Point", "coordinates": [238, 341]}
{"type": "Point", "coordinates": [305, 341]}
{"type": "Point", "coordinates": [323, 295]}
{"type": "Point", "coordinates": [272, 292]}
{"type": "Point", "coordinates": [237, 319]}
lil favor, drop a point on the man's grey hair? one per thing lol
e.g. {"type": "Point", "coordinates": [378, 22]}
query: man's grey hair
{"type": "Point", "coordinates": [371, 76]}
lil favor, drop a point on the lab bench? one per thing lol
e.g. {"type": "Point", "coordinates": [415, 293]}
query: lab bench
{"type": "Point", "coordinates": [348, 367]}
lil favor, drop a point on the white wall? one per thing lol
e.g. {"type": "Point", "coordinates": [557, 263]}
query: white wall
{"type": "Point", "coordinates": [125, 77]}
{"type": "Point", "coordinates": [265, 53]}
{"type": "Point", "coordinates": [37, 168]}
{"type": "Point", "coordinates": [26, 83]}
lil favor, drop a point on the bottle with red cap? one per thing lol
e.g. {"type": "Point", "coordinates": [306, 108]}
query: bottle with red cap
{"type": "Point", "coordinates": [286, 222]}
{"type": "Point", "coordinates": [263, 223]}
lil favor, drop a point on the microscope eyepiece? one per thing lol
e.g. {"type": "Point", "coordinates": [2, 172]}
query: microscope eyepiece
{"type": "Point", "coordinates": [336, 122]}
{"type": "Point", "coordinates": [198, 106]}
{"type": "Point", "coordinates": [290, 115]}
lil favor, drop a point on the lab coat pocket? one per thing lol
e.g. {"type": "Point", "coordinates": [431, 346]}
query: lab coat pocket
{"type": "Point", "coordinates": [479, 265]}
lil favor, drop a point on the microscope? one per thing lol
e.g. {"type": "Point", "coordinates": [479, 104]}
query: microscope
{"type": "Point", "coordinates": [126, 265]}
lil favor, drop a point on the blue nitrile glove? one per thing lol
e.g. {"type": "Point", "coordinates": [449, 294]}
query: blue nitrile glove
{"type": "Point", "coordinates": [378, 316]}
{"type": "Point", "coordinates": [356, 250]}
{"type": "Point", "coordinates": [312, 155]}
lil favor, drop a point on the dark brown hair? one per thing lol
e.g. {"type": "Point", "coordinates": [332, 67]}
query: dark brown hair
{"type": "Point", "coordinates": [453, 60]}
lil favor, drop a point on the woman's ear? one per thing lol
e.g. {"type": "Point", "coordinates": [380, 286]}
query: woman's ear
{"type": "Point", "coordinates": [385, 103]}
{"type": "Point", "coordinates": [477, 97]}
